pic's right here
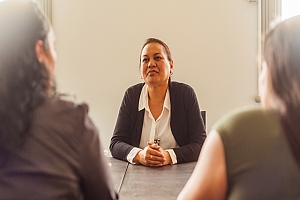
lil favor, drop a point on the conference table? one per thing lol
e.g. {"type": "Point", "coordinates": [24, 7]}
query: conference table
{"type": "Point", "coordinates": [141, 182]}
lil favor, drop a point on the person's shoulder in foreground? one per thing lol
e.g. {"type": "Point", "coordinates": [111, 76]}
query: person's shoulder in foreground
{"type": "Point", "coordinates": [62, 143]}
{"type": "Point", "coordinates": [243, 116]}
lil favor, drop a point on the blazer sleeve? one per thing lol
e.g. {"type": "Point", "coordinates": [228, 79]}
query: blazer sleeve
{"type": "Point", "coordinates": [126, 135]}
{"type": "Point", "coordinates": [187, 124]}
{"type": "Point", "coordinates": [96, 180]}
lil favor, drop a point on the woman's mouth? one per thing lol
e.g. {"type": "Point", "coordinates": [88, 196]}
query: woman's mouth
{"type": "Point", "coordinates": [152, 72]}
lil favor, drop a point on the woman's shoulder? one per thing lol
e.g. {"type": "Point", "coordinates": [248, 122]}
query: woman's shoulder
{"type": "Point", "coordinates": [179, 88]}
{"type": "Point", "coordinates": [246, 118]}
{"type": "Point", "coordinates": [63, 119]}
{"type": "Point", "coordinates": [63, 110]}
{"type": "Point", "coordinates": [135, 88]}
{"type": "Point", "coordinates": [62, 102]}
{"type": "Point", "coordinates": [133, 92]}
{"type": "Point", "coordinates": [180, 85]}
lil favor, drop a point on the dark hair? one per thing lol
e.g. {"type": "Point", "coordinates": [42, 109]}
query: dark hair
{"type": "Point", "coordinates": [24, 80]}
{"type": "Point", "coordinates": [282, 54]}
{"type": "Point", "coordinates": [155, 40]}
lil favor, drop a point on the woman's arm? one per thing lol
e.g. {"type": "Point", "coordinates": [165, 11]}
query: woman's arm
{"type": "Point", "coordinates": [120, 144]}
{"type": "Point", "coordinates": [187, 124]}
{"type": "Point", "coordinates": [209, 180]}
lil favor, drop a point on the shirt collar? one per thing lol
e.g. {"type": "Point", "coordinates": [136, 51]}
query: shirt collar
{"type": "Point", "coordinates": [143, 102]}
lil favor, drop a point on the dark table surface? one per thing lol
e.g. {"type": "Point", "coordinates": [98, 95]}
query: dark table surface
{"type": "Point", "coordinates": [117, 170]}
{"type": "Point", "coordinates": [140, 182]}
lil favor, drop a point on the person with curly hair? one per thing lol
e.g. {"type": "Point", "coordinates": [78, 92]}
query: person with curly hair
{"type": "Point", "coordinates": [49, 147]}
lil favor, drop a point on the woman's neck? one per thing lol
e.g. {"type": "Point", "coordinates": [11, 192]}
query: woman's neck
{"type": "Point", "coordinates": [157, 94]}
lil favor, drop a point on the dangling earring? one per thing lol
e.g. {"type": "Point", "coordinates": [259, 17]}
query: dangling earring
{"type": "Point", "coordinates": [171, 73]}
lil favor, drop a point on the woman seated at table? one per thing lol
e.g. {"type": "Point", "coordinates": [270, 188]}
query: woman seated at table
{"type": "Point", "coordinates": [254, 153]}
{"type": "Point", "coordinates": [159, 121]}
{"type": "Point", "coordinates": [49, 148]}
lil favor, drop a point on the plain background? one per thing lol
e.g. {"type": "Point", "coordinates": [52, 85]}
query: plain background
{"type": "Point", "coordinates": [213, 43]}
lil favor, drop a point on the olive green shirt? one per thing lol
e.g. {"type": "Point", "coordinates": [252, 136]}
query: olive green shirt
{"type": "Point", "coordinates": [259, 161]}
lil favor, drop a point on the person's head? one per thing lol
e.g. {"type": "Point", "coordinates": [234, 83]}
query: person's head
{"type": "Point", "coordinates": [156, 63]}
{"type": "Point", "coordinates": [27, 63]}
{"type": "Point", "coordinates": [281, 78]}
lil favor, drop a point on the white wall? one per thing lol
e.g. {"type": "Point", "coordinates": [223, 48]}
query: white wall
{"type": "Point", "coordinates": [214, 47]}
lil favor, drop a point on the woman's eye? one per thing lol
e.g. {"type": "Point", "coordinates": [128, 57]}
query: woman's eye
{"type": "Point", "coordinates": [145, 60]}
{"type": "Point", "coordinates": [157, 58]}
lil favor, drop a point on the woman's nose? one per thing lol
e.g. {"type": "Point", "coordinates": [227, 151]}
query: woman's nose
{"type": "Point", "coordinates": [151, 63]}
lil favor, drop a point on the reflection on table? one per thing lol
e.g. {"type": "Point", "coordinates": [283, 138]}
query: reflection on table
{"type": "Point", "coordinates": [140, 182]}
{"type": "Point", "coordinates": [117, 169]}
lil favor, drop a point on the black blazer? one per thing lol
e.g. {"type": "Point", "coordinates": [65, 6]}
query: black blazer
{"type": "Point", "coordinates": [186, 123]}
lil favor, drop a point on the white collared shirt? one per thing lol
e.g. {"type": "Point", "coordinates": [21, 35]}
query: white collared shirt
{"type": "Point", "coordinates": [153, 129]}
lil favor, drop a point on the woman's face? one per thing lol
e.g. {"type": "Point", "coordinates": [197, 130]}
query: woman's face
{"type": "Point", "coordinates": [155, 66]}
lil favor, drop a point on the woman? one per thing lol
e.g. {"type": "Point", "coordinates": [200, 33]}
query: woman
{"type": "Point", "coordinates": [49, 148]}
{"type": "Point", "coordinates": [159, 121]}
{"type": "Point", "coordinates": [254, 153]}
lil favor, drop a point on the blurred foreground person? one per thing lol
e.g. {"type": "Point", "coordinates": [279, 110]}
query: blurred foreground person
{"type": "Point", "coordinates": [49, 148]}
{"type": "Point", "coordinates": [254, 153]}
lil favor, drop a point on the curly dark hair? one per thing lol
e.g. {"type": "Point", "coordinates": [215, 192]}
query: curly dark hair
{"type": "Point", "coordinates": [24, 81]}
{"type": "Point", "coordinates": [282, 55]}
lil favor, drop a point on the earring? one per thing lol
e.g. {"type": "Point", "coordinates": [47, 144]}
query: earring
{"type": "Point", "coordinates": [171, 73]}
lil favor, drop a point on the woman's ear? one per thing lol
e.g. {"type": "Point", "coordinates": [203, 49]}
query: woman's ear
{"type": "Point", "coordinates": [39, 49]}
{"type": "Point", "coordinates": [171, 66]}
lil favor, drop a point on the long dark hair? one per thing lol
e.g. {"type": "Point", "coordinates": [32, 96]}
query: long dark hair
{"type": "Point", "coordinates": [24, 81]}
{"type": "Point", "coordinates": [282, 54]}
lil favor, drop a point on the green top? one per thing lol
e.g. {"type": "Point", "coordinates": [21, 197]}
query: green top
{"type": "Point", "coordinates": [259, 162]}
